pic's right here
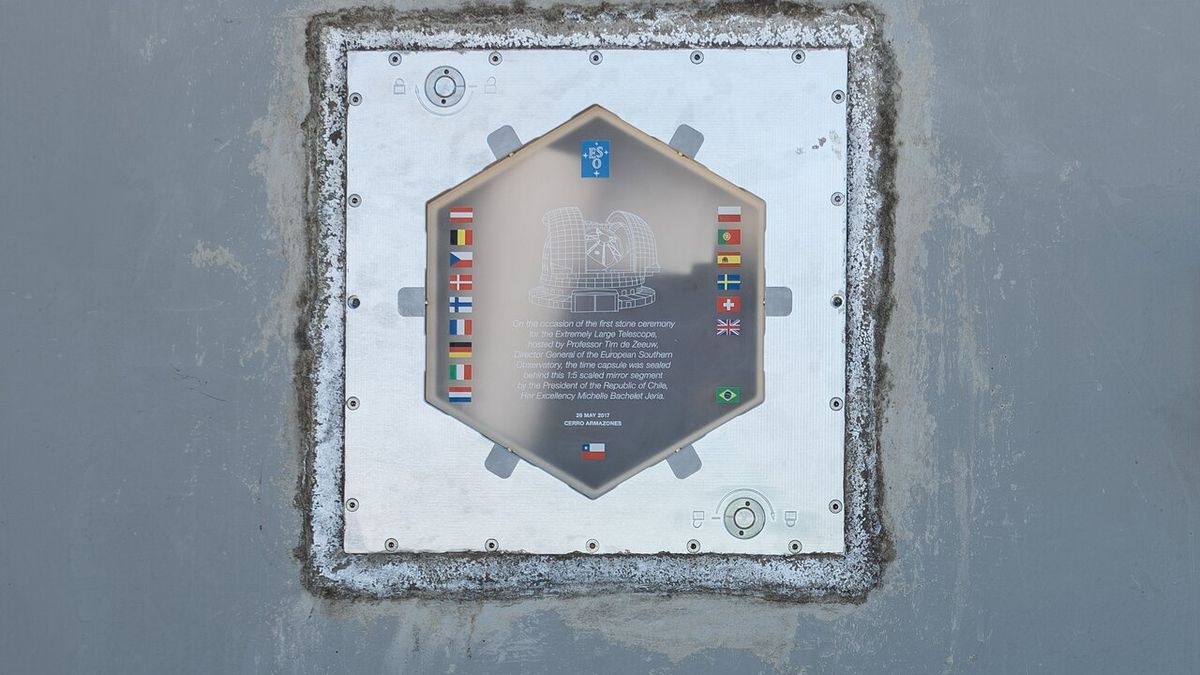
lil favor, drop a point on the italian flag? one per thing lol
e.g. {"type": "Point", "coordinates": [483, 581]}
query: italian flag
{"type": "Point", "coordinates": [460, 372]}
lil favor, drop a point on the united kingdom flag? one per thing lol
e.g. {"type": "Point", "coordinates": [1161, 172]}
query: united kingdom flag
{"type": "Point", "coordinates": [729, 327]}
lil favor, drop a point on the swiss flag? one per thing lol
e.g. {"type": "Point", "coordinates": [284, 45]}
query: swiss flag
{"type": "Point", "coordinates": [729, 304]}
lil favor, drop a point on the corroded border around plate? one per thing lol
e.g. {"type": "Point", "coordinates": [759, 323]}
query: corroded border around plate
{"type": "Point", "coordinates": [870, 162]}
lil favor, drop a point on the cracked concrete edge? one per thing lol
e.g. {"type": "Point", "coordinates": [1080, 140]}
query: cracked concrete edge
{"type": "Point", "coordinates": [328, 570]}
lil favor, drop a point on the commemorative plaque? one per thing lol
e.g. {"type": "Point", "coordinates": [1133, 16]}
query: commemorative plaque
{"type": "Point", "coordinates": [594, 301]}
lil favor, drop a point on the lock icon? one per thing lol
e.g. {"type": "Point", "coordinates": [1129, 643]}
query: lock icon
{"type": "Point", "coordinates": [398, 86]}
{"type": "Point", "coordinates": [489, 87]}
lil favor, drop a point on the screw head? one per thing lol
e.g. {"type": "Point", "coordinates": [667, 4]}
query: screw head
{"type": "Point", "coordinates": [837, 199]}
{"type": "Point", "coordinates": [491, 545]}
{"type": "Point", "coordinates": [495, 58]}
{"type": "Point", "coordinates": [354, 200]}
{"type": "Point", "coordinates": [355, 98]}
{"type": "Point", "coordinates": [838, 96]}
{"type": "Point", "coordinates": [836, 300]}
{"type": "Point", "coordinates": [352, 504]}
{"type": "Point", "coordinates": [391, 544]}
{"type": "Point", "coordinates": [835, 403]}
{"type": "Point", "coordinates": [693, 545]}
{"type": "Point", "coordinates": [794, 546]}
{"type": "Point", "coordinates": [595, 58]}
{"type": "Point", "coordinates": [353, 302]}
{"type": "Point", "coordinates": [592, 545]}
{"type": "Point", "coordinates": [394, 58]}
{"type": "Point", "coordinates": [352, 403]}
{"type": "Point", "coordinates": [835, 506]}
{"type": "Point", "coordinates": [798, 56]}
{"type": "Point", "coordinates": [697, 56]}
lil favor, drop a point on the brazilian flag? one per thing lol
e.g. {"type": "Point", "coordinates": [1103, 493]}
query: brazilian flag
{"type": "Point", "coordinates": [729, 395]}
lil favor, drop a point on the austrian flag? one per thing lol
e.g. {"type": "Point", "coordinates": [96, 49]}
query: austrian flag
{"type": "Point", "coordinates": [462, 214]}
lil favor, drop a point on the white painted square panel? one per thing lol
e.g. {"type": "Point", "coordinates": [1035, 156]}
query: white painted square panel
{"type": "Point", "coordinates": [415, 476]}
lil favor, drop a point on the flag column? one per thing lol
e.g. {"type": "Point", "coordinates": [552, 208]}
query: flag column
{"type": "Point", "coordinates": [461, 280]}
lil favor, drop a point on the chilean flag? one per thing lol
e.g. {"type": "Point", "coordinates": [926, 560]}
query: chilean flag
{"type": "Point", "coordinates": [592, 451]}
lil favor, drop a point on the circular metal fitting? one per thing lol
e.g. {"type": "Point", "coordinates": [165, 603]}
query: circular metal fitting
{"type": "Point", "coordinates": [391, 545]}
{"type": "Point", "coordinates": [744, 517]}
{"type": "Point", "coordinates": [355, 98]}
{"type": "Point", "coordinates": [797, 56]}
{"type": "Point", "coordinates": [354, 200]}
{"type": "Point", "coordinates": [838, 96]}
{"type": "Point", "coordinates": [352, 504]}
{"type": "Point", "coordinates": [837, 300]}
{"type": "Point", "coordinates": [352, 403]}
{"type": "Point", "coordinates": [491, 545]}
{"type": "Point", "coordinates": [595, 58]}
{"type": "Point", "coordinates": [592, 545]}
{"type": "Point", "coordinates": [394, 58]}
{"type": "Point", "coordinates": [835, 403]}
{"type": "Point", "coordinates": [835, 506]}
{"type": "Point", "coordinates": [794, 546]}
{"type": "Point", "coordinates": [696, 57]}
{"type": "Point", "coordinates": [445, 86]}
{"type": "Point", "coordinates": [353, 302]}
{"type": "Point", "coordinates": [495, 58]}
{"type": "Point", "coordinates": [837, 198]}
{"type": "Point", "coordinates": [693, 545]}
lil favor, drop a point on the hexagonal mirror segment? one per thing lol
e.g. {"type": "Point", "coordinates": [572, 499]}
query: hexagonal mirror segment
{"type": "Point", "coordinates": [594, 301]}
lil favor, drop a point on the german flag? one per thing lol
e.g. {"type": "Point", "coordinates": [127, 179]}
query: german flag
{"type": "Point", "coordinates": [460, 350]}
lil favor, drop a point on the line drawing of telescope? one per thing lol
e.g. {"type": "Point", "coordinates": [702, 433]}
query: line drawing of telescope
{"type": "Point", "coordinates": [590, 266]}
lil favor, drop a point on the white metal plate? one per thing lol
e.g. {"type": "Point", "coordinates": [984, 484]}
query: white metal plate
{"type": "Point", "coordinates": [771, 126]}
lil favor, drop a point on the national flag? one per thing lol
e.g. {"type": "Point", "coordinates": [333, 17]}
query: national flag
{"type": "Point", "coordinates": [460, 326]}
{"type": "Point", "coordinates": [462, 214]}
{"type": "Point", "coordinates": [729, 326]}
{"type": "Point", "coordinates": [463, 237]}
{"type": "Point", "coordinates": [460, 304]}
{"type": "Point", "coordinates": [729, 237]}
{"type": "Point", "coordinates": [460, 372]}
{"type": "Point", "coordinates": [460, 394]}
{"type": "Point", "coordinates": [460, 350]}
{"type": "Point", "coordinates": [729, 304]}
{"type": "Point", "coordinates": [592, 451]}
{"type": "Point", "coordinates": [460, 282]}
{"type": "Point", "coordinates": [729, 214]}
{"type": "Point", "coordinates": [729, 282]}
{"type": "Point", "coordinates": [728, 259]}
{"type": "Point", "coordinates": [460, 259]}
{"type": "Point", "coordinates": [728, 395]}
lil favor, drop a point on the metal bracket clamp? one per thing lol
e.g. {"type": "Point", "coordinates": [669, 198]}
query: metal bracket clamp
{"type": "Point", "coordinates": [684, 462]}
{"type": "Point", "coordinates": [504, 141]}
{"type": "Point", "coordinates": [500, 461]}
{"type": "Point", "coordinates": [687, 141]}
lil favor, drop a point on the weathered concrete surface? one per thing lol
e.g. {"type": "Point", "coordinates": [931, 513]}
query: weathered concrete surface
{"type": "Point", "coordinates": [1040, 455]}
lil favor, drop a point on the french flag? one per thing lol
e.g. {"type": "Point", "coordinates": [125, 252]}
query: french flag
{"type": "Point", "coordinates": [592, 451]}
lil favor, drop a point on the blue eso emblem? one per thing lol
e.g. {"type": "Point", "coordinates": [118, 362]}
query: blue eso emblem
{"type": "Point", "coordinates": [594, 159]}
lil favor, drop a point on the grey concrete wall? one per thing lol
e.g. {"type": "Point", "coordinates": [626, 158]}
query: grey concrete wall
{"type": "Point", "coordinates": [1042, 432]}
